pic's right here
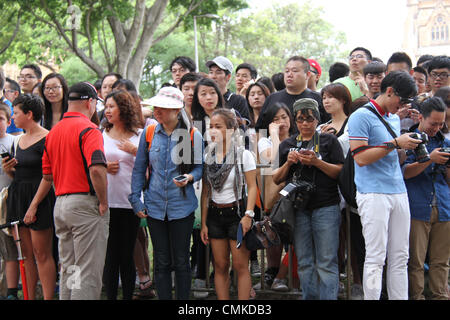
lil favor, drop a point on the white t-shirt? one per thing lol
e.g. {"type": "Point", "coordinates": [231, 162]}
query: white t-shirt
{"type": "Point", "coordinates": [5, 146]}
{"type": "Point", "coordinates": [119, 185]}
{"type": "Point", "coordinates": [227, 195]}
{"type": "Point", "coordinates": [264, 143]}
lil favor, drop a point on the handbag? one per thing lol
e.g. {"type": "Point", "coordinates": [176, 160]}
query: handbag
{"type": "Point", "coordinates": [261, 236]}
{"type": "Point", "coordinates": [4, 191]}
{"type": "Point", "coordinates": [282, 217]}
{"type": "Point", "coordinates": [3, 197]}
{"type": "Point", "coordinates": [283, 211]}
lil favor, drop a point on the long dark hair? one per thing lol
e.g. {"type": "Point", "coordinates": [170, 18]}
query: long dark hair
{"type": "Point", "coordinates": [266, 92]}
{"type": "Point", "coordinates": [185, 123]}
{"type": "Point", "coordinates": [271, 112]}
{"type": "Point", "coordinates": [198, 113]}
{"type": "Point", "coordinates": [48, 112]}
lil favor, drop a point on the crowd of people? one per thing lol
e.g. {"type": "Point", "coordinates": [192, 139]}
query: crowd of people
{"type": "Point", "coordinates": [93, 172]}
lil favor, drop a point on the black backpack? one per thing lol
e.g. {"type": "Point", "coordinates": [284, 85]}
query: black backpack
{"type": "Point", "coordinates": [346, 179]}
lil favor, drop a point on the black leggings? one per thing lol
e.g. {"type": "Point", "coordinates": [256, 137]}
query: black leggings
{"type": "Point", "coordinates": [123, 227]}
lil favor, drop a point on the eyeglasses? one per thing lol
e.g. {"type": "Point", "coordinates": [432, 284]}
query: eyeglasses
{"type": "Point", "coordinates": [55, 88]}
{"type": "Point", "coordinates": [442, 75]}
{"type": "Point", "coordinates": [309, 119]}
{"type": "Point", "coordinates": [181, 70]}
{"type": "Point", "coordinates": [9, 91]}
{"type": "Point", "coordinates": [27, 76]}
{"type": "Point", "coordinates": [356, 56]}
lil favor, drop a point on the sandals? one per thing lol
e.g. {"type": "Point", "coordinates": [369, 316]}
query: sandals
{"type": "Point", "coordinates": [145, 290]}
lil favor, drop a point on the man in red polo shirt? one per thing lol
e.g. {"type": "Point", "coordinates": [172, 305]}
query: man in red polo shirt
{"type": "Point", "coordinates": [74, 160]}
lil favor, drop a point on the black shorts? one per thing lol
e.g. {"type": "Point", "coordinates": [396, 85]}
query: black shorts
{"type": "Point", "coordinates": [223, 223]}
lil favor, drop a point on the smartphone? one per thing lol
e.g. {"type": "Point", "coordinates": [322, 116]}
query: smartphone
{"type": "Point", "coordinates": [4, 152]}
{"type": "Point", "coordinates": [180, 178]}
{"type": "Point", "coordinates": [239, 236]}
{"type": "Point", "coordinates": [6, 155]}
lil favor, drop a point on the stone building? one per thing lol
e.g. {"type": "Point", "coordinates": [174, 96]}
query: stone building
{"type": "Point", "coordinates": [427, 28]}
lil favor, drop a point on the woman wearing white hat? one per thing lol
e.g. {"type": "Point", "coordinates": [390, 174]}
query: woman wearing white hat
{"type": "Point", "coordinates": [169, 203]}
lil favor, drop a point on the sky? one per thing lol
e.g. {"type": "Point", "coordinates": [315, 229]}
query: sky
{"type": "Point", "coordinates": [376, 25]}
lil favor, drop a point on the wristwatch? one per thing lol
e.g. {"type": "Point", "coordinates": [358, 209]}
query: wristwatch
{"type": "Point", "coordinates": [250, 213]}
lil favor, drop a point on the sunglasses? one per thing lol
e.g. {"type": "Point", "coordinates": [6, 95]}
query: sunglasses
{"type": "Point", "coordinates": [402, 99]}
{"type": "Point", "coordinates": [308, 119]}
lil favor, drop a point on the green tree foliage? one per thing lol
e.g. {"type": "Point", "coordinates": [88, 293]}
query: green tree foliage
{"type": "Point", "coordinates": [124, 31]}
{"type": "Point", "coordinates": [265, 38]}
{"type": "Point", "coordinates": [269, 37]}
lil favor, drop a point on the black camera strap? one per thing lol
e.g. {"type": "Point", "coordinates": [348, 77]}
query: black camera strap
{"type": "Point", "coordinates": [313, 144]}
{"type": "Point", "coordinates": [388, 127]}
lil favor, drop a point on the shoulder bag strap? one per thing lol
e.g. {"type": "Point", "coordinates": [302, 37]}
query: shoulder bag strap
{"type": "Point", "coordinates": [388, 127]}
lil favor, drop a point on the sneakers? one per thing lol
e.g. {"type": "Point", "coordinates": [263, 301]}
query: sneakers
{"type": "Point", "coordinates": [357, 292]}
{"type": "Point", "coordinates": [199, 284]}
{"type": "Point", "coordinates": [255, 270]}
{"type": "Point", "coordinates": [279, 285]}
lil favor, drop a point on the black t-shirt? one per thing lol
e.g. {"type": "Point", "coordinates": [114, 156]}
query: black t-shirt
{"type": "Point", "coordinates": [289, 99]}
{"type": "Point", "coordinates": [326, 188]}
{"type": "Point", "coordinates": [237, 102]}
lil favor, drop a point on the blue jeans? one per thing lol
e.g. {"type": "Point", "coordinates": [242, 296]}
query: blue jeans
{"type": "Point", "coordinates": [316, 241]}
{"type": "Point", "coordinates": [171, 240]}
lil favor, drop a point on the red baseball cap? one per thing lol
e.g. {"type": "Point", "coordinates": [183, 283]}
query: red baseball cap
{"type": "Point", "coordinates": [316, 65]}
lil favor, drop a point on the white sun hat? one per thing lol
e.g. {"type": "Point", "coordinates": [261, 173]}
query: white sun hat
{"type": "Point", "coordinates": [167, 98]}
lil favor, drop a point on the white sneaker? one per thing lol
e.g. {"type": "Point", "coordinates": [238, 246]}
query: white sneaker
{"type": "Point", "coordinates": [279, 285]}
{"type": "Point", "coordinates": [357, 292]}
{"type": "Point", "coordinates": [255, 270]}
{"type": "Point", "coordinates": [200, 284]}
{"type": "Point", "coordinates": [257, 286]}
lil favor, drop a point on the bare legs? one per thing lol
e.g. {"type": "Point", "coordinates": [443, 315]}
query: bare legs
{"type": "Point", "coordinates": [221, 251]}
{"type": "Point", "coordinates": [36, 247]}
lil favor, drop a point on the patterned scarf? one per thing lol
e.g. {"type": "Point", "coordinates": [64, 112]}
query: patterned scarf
{"type": "Point", "coordinates": [217, 174]}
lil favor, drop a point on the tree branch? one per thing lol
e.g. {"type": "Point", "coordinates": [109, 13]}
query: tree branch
{"type": "Point", "coordinates": [16, 30]}
{"type": "Point", "coordinates": [192, 6]}
{"type": "Point", "coordinates": [116, 27]}
{"type": "Point", "coordinates": [104, 46]}
{"type": "Point", "coordinates": [73, 44]}
{"type": "Point", "coordinates": [88, 28]}
{"type": "Point", "coordinates": [133, 33]}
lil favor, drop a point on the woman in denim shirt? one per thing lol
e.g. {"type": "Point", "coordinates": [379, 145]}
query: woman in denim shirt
{"type": "Point", "coordinates": [169, 204]}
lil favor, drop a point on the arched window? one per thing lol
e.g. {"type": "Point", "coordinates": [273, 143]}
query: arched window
{"type": "Point", "coordinates": [439, 30]}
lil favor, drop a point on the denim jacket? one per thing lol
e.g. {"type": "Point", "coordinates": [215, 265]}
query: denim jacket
{"type": "Point", "coordinates": [163, 198]}
{"type": "Point", "coordinates": [422, 187]}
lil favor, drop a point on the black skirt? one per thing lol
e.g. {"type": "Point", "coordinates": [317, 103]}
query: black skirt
{"type": "Point", "coordinates": [20, 195]}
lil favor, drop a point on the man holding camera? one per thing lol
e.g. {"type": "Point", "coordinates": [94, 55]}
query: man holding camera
{"type": "Point", "coordinates": [381, 192]}
{"type": "Point", "coordinates": [427, 182]}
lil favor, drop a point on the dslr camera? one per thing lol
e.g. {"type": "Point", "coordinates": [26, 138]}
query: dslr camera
{"type": "Point", "coordinates": [299, 192]}
{"type": "Point", "coordinates": [446, 150]}
{"type": "Point", "coordinates": [421, 151]}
